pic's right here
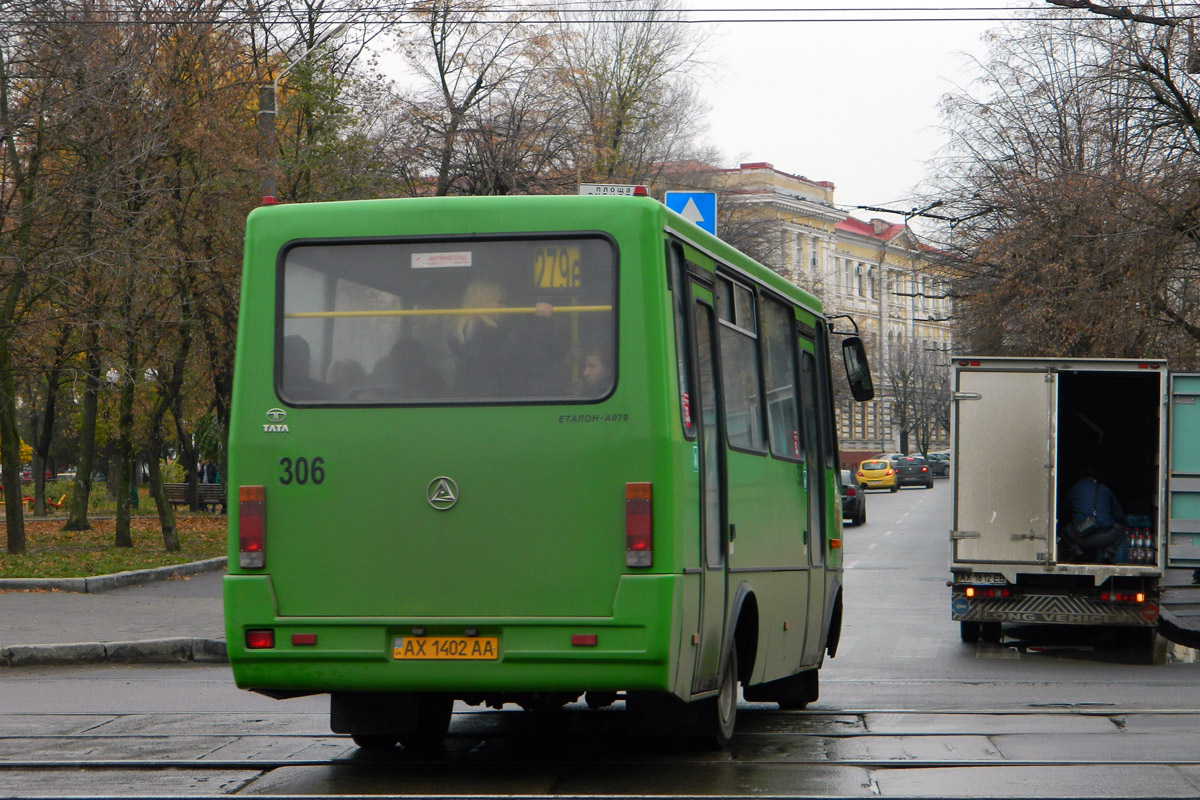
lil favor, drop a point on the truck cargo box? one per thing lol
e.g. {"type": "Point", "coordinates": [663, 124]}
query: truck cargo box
{"type": "Point", "coordinates": [1023, 431]}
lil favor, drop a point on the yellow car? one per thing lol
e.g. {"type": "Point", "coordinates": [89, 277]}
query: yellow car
{"type": "Point", "coordinates": [877, 474]}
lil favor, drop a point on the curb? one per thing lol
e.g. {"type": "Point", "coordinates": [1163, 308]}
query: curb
{"type": "Point", "coordinates": [117, 580]}
{"type": "Point", "coordinates": [149, 651]}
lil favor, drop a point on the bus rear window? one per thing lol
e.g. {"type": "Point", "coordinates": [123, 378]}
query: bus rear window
{"type": "Point", "coordinates": [459, 321]}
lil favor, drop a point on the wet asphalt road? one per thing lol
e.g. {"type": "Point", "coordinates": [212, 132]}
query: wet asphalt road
{"type": "Point", "coordinates": [906, 710]}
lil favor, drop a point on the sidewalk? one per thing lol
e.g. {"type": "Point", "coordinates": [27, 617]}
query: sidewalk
{"type": "Point", "coordinates": [81, 621]}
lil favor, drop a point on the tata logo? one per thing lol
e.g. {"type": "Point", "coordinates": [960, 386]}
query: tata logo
{"type": "Point", "coordinates": [275, 421]}
{"type": "Point", "coordinates": [442, 493]}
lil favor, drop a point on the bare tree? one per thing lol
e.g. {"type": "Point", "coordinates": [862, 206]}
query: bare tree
{"type": "Point", "coordinates": [1072, 187]}
{"type": "Point", "coordinates": [465, 56]}
{"type": "Point", "coordinates": [919, 388]}
{"type": "Point", "coordinates": [633, 72]}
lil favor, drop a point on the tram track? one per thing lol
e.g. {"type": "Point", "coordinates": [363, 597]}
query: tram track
{"type": "Point", "coordinates": [1094, 750]}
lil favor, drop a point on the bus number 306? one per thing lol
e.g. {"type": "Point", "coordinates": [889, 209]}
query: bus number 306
{"type": "Point", "coordinates": [302, 470]}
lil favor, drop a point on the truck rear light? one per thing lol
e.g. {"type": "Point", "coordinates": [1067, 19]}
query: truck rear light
{"type": "Point", "coordinates": [251, 528]}
{"type": "Point", "coordinates": [1124, 597]}
{"type": "Point", "coordinates": [639, 525]}
{"type": "Point", "coordinates": [263, 639]}
{"type": "Point", "coordinates": [986, 591]}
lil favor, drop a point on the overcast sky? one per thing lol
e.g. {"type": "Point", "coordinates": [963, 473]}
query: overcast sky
{"type": "Point", "coordinates": [852, 102]}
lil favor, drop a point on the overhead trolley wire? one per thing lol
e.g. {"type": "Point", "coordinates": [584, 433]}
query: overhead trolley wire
{"type": "Point", "coordinates": [582, 13]}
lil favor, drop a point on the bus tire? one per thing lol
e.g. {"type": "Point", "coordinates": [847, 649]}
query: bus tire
{"type": "Point", "coordinates": [374, 741]}
{"type": "Point", "coordinates": [969, 631]}
{"type": "Point", "coordinates": [433, 713]}
{"type": "Point", "coordinates": [805, 688]}
{"type": "Point", "coordinates": [722, 709]}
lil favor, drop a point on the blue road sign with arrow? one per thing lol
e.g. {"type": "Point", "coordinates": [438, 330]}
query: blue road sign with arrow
{"type": "Point", "coordinates": [697, 207]}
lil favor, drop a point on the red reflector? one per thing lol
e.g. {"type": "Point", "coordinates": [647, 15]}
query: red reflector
{"type": "Point", "coordinates": [583, 639]}
{"type": "Point", "coordinates": [251, 527]}
{"type": "Point", "coordinates": [260, 640]}
{"type": "Point", "coordinates": [639, 526]}
{"type": "Point", "coordinates": [303, 639]}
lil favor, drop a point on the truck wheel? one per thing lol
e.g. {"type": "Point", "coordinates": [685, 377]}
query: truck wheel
{"type": "Point", "coordinates": [991, 632]}
{"type": "Point", "coordinates": [969, 631]}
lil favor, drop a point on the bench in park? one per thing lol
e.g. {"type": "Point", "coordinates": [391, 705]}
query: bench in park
{"type": "Point", "coordinates": [210, 494]}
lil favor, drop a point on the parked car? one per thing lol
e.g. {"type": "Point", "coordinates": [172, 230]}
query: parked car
{"type": "Point", "coordinates": [27, 475]}
{"type": "Point", "coordinates": [939, 464]}
{"type": "Point", "coordinates": [914, 471]}
{"type": "Point", "coordinates": [877, 474]}
{"type": "Point", "coordinates": [854, 500]}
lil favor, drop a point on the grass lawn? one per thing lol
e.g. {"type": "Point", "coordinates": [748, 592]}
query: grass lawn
{"type": "Point", "coordinates": [51, 552]}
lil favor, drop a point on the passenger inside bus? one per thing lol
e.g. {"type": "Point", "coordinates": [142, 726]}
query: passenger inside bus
{"type": "Point", "coordinates": [345, 378]}
{"type": "Point", "coordinates": [597, 375]}
{"type": "Point", "coordinates": [511, 354]}
{"type": "Point", "coordinates": [406, 373]}
{"type": "Point", "coordinates": [298, 383]}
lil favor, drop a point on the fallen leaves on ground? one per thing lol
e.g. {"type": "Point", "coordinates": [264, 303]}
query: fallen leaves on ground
{"type": "Point", "coordinates": [51, 552]}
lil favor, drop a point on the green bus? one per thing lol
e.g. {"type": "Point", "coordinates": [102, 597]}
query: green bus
{"type": "Point", "coordinates": [527, 450]}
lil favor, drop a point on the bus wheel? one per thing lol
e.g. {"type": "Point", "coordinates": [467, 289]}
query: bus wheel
{"type": "Point", "coordinates": [374, 741]}
{"type": "Point", "coordinates": [804, 688]}
{"type": "Point", "coordinates": [434, 710]}
{"type": "Point", "coordinates": [969, 631]}
{"type": "Point", "coordinates": [723, 708]}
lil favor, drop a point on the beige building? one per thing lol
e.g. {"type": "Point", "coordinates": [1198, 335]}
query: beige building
{"type": "Point", "coordinates": [875, 271]}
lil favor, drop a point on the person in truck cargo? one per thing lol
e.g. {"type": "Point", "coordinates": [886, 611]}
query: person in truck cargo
{"type": "Point", "coordinates": [1096, 524]}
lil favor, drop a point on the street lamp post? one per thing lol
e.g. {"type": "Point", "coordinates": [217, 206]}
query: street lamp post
{"type": "Point", "coordinates": [268, 95]}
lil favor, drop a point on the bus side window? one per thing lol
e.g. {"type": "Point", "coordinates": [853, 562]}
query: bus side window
{"type": "Point", "coordinates": [677, 270]}
{"type": "Point", "coordinates": [740, 379]}
{"type": "Point", "coordinates": [779, 366]}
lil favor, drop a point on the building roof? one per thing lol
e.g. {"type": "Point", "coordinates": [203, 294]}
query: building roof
{"type": "Point", "coordinates": [875, 229]}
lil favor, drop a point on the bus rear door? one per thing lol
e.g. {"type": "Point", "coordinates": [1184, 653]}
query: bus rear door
{"type": "Point", "coordinates": [814, 486]}
{"type": "Point", "coordinates": [711, 451]}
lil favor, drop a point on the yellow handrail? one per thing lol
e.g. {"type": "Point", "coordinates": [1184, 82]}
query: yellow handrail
{"type": "Point", "coordinates": [433, 312]}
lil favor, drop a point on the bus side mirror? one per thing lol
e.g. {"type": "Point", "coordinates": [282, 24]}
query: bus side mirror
{"type": "Point", "coordinates": [858, 373]}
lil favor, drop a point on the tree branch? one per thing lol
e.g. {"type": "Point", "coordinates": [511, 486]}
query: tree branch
{"type": "Point", "coordinates": [1120, 12]}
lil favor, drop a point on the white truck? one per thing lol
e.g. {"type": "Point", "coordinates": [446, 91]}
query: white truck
{"type": "Point", "coordinates": [1022, 431]}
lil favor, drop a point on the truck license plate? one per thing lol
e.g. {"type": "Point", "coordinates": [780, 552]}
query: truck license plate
{"type": "Point", "coordinates": [446, 648]}
{"type": "Point", "coordinates": [979, 577]}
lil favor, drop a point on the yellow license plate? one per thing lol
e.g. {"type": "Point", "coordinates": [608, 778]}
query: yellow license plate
{"type": "Point", "coordinates": [446, 648]}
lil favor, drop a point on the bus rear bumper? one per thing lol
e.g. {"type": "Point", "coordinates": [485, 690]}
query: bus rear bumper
{"type": "Point", "coordinates": [631, 650]}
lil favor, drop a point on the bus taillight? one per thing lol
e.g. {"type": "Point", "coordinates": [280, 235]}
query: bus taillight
{"type": "Point", "coordinates": [639, 526]}
{"type": "Point", "coordinates": [251, 530]}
